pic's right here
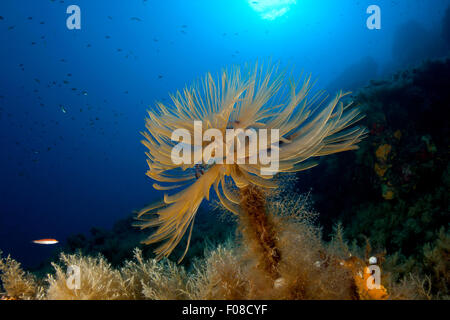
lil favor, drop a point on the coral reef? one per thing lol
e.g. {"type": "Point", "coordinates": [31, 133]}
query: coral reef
{"type": "Point", "coordinates": [398, 213]}
{"type": "Point", "coordinates": [310, 269]}
{"type": "Point", "coordinates": [400, 177]}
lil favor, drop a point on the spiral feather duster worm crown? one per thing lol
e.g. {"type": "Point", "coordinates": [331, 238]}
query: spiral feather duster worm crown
{"type": "Point", "coordinates": [309, 126]}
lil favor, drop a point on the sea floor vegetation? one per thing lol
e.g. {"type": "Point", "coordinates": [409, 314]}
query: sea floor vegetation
{"type": "Point", "coordinates": [306, 268]}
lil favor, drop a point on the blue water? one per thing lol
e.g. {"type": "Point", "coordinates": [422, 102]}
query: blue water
{"type": "Point", "coordinates": [71, 156]}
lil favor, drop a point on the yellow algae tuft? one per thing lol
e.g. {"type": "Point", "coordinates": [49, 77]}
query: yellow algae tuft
{"type": "Point", "coordinates": [389, 195]}
{"type": "Point", "coordinates": [18, 284]}
{"type": "Point", "coordinates": [383, 152]}
{"type": "Point", "coordinates": [380, 169]}
{"type": "Point", "coordinates": [388, 191]}
{"type": "Point", "coordinates": [398, 134]}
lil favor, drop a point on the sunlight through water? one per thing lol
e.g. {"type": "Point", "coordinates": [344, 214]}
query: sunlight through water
{"type": "Point", "coordinates": [271, 9]}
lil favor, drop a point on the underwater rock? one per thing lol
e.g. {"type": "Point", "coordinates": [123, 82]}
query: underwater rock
{"type": "Point", "coordinates": [399, 179]}
{"type": "Point", "coordinates": [413, 44]}
{"type": "Point", "coordinates": [355, 76]}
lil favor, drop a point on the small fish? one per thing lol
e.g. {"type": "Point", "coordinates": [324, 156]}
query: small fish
{"type": "Point", "coordinates": [63, 110]}
{"type": "Point", "coordinates": [46, 241]}
{"type": "Point", "coordinates": [135, 19]}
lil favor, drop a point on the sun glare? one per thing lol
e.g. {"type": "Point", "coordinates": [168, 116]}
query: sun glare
{"type": "Point", "coordinates": [271, 9]}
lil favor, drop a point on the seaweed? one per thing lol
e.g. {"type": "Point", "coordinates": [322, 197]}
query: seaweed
{"type": "Point", "coordinates": [399, 178]}
{"type": "Point", "coordinates": [309, 269]}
